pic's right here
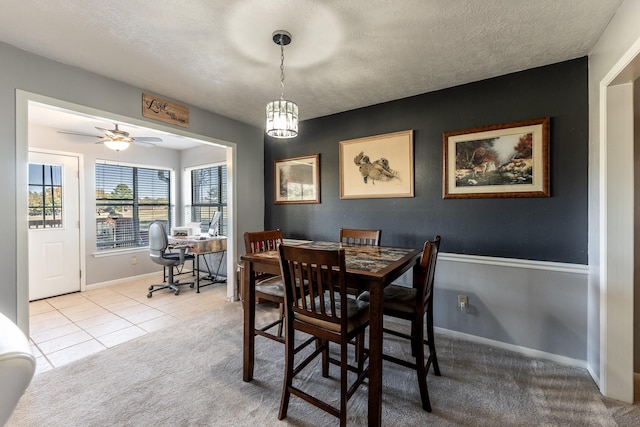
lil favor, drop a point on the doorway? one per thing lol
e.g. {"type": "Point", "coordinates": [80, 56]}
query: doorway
{"type": "Point", "coordinates": [23, 102]}
{"type": "Point", "coordinates": [54, 225]}
{"type": "Point", "coordinates": [616, 223]}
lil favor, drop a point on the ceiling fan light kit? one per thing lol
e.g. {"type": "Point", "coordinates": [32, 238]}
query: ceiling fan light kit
{"type": "Point", "coordinates": [116, 145]}
{"type": "Point", "coordinates": [282, 115]}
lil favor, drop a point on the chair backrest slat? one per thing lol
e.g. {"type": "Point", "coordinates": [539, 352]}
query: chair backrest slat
{"type": "Point", "coordinates": [354, 236]}
{"type": "Point", "coordinates": [319, 276]}
{"type": "Point", "coordinates": [262, 241]}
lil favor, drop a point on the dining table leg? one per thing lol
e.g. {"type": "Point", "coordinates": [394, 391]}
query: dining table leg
{"type": "Point", "coordinates": [375, 354]}
{"type": "Point", "coordinates": [249, 306]}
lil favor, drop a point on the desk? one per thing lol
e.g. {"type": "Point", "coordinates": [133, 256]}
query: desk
{"type": "Point", "coordinates": [369, 268]}
{"type": "Point", "coordinates": [198, 245]}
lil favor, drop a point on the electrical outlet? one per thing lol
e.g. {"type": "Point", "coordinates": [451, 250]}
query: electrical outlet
{"type": "Point", "coordinates": [463, 302]}
{"type": "Point", "coordinates": [134, 260]}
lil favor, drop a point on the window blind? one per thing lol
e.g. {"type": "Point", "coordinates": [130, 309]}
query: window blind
{"type": "Point", "coordinates": [128, 200]}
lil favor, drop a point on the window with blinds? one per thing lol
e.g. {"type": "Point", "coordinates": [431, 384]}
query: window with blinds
{"type": "Point", "coordinates": [128, 200]}
{"type": "Point", "coordinates": [209, 195]}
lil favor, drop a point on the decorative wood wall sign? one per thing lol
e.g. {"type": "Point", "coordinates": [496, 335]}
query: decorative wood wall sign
{"type": "Point", "coordinates": [157, 108]}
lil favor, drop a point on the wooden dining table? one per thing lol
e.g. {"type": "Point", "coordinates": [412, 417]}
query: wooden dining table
{"type": "Point", "coordinates": [369, 268]}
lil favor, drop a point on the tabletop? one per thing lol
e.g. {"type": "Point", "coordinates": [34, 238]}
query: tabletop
{"type": "Point", "coordinates": [370, 259]}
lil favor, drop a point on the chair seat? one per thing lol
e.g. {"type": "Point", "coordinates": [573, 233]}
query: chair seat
{"type": "Point", "coordinates": [272, 286]}
{"type": "Point", "coordinates": [187, 255]}
{"type": "Point", "coordinates": [357, 315]}
{"type": "Point", "coordinates": [176, 256]}
{"type": "Point", "coordinates": [396, 298]}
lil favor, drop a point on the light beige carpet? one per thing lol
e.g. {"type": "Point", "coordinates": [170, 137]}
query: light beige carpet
{"type": "Point", "coordinates": [191, 375]}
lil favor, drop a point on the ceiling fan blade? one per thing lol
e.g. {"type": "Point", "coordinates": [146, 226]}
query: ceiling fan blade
{"type": "Point", "coordinates": [81, 134]}
{"type": "Point", "coordinates": [147, 139]}
{"type": "Point", "coordinates": [144, 144]}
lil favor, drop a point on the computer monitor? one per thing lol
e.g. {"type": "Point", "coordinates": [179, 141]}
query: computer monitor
{"type": "Point", "coordinates": [213, 224]}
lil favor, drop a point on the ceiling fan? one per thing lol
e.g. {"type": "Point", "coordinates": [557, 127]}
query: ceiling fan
{"type": "Point", "coordinates": [117, 139]}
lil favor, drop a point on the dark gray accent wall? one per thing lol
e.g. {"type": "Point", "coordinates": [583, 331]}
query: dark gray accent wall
{"type": "Point", "coordinates": [545, 229]}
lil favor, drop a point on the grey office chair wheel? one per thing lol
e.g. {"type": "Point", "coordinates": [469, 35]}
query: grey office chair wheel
{"type": "Point", "coordinates": [149, 295]}
{"type": "Point", "coordinates": [177, 292]}
{"type": "Point", "coordinates": [150, 288]}
{"type": "Point", "coordinates": [191, 286]}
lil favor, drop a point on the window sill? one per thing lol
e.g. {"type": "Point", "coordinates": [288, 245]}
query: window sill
{"type": "Point", "coordinates": [116, 252]}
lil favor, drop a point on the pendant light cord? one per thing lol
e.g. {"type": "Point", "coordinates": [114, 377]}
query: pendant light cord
{"type": "Point", "coordinates": [281, 67]}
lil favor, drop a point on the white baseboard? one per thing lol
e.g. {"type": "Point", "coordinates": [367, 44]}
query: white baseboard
{"type": "Point", "coordinates": [517, 349]}
{"type": "Point", "coordinates": [120, 281]}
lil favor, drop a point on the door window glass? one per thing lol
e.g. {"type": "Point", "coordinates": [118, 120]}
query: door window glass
{"type": "Point", "coordinates": [45, 196]}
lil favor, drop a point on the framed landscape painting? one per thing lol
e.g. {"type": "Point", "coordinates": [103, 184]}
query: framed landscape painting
{"type": "Point", "coordinates": [297, 180]}
{"type": "Point", "coordinates": [377, 166]}
{"type": "Point", "coordinates": [507, 160]}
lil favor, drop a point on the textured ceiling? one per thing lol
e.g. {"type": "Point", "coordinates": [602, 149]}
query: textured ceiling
{"type": "Point", "coordinates": [345, 54]}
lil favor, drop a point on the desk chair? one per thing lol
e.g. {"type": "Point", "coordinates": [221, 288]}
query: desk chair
{"type": "Point", "coordinates": [158, 245]}
{"type": "Point", "coordinates": [316, 303]}
{"type": "Point", "coordinates": [268, 287]}
{"type": "Point", "coordinates": [360, 237]}
{"type": "Point", "coordinates": [414, 304]}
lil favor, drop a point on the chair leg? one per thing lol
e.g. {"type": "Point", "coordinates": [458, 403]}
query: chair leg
{"type": "Point", "coordinates": [432, 343]}
{"type": "Point", "coordinates": [417, 342]}
{"type": "Point", "coordinates": [325, 358]}
{"type": "Point", "coordinates": [343, 382]}
{"type": "Point", "coordinates": [288, 371]}
{"type": "Point", "coordinates": [281, 320]}
{"type": "Point", "coordinates": [360, 351]}
{"type": "Point", "coordinates": [414, 333]}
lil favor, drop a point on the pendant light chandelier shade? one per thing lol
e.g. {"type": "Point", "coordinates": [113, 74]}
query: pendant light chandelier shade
{"type": "Point", "coordinates": [282, 119]}
{"type": "Point", "coordinates": [282, 115]}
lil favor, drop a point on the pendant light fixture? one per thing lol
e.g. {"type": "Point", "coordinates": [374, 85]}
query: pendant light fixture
{"type": "Point", "coordinates": [282, 115]}
{"type": "Point", "coordinates": [116, 144]}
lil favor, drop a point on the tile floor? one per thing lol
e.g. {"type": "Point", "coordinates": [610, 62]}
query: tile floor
{"type": "Point", "coordinates": [70, 327]}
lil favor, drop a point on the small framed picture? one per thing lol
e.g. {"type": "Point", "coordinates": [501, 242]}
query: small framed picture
{"type": "Point", "coordinates": [507, 160]}
{"type": "Point", "coordinates": [297, 180]}
{"type": "Point", "coordinates": [377, 166]}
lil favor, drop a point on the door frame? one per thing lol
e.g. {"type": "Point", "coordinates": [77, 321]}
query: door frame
{"type": "Point", "coordinates": [616, 251]}
{"type": "Point", "coordinates": [23, 98]}
{"type": "Point", "coordinates": [81, 208]}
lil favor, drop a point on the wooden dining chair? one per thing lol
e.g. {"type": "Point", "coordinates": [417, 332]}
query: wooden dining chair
{"type": "Point", "coordinates": [414, 304]}
{"type": "Point", "coordinates": [268, 287]}
{"type": "Point", "coordinates": [315, 296]}
{"type": "Point", "coordinates": [355, 236]}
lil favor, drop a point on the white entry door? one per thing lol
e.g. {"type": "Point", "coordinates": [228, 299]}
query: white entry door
{"type": "Point", "coordinates": [54, 225]}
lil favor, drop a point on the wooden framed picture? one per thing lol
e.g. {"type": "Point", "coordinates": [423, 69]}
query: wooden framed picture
{"type": "Point", "coordinates": [377, 166]}
{"type": "Point", "coordinates": [507, 160]}
{"type": "Point", "coordinates": [297, 180]}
